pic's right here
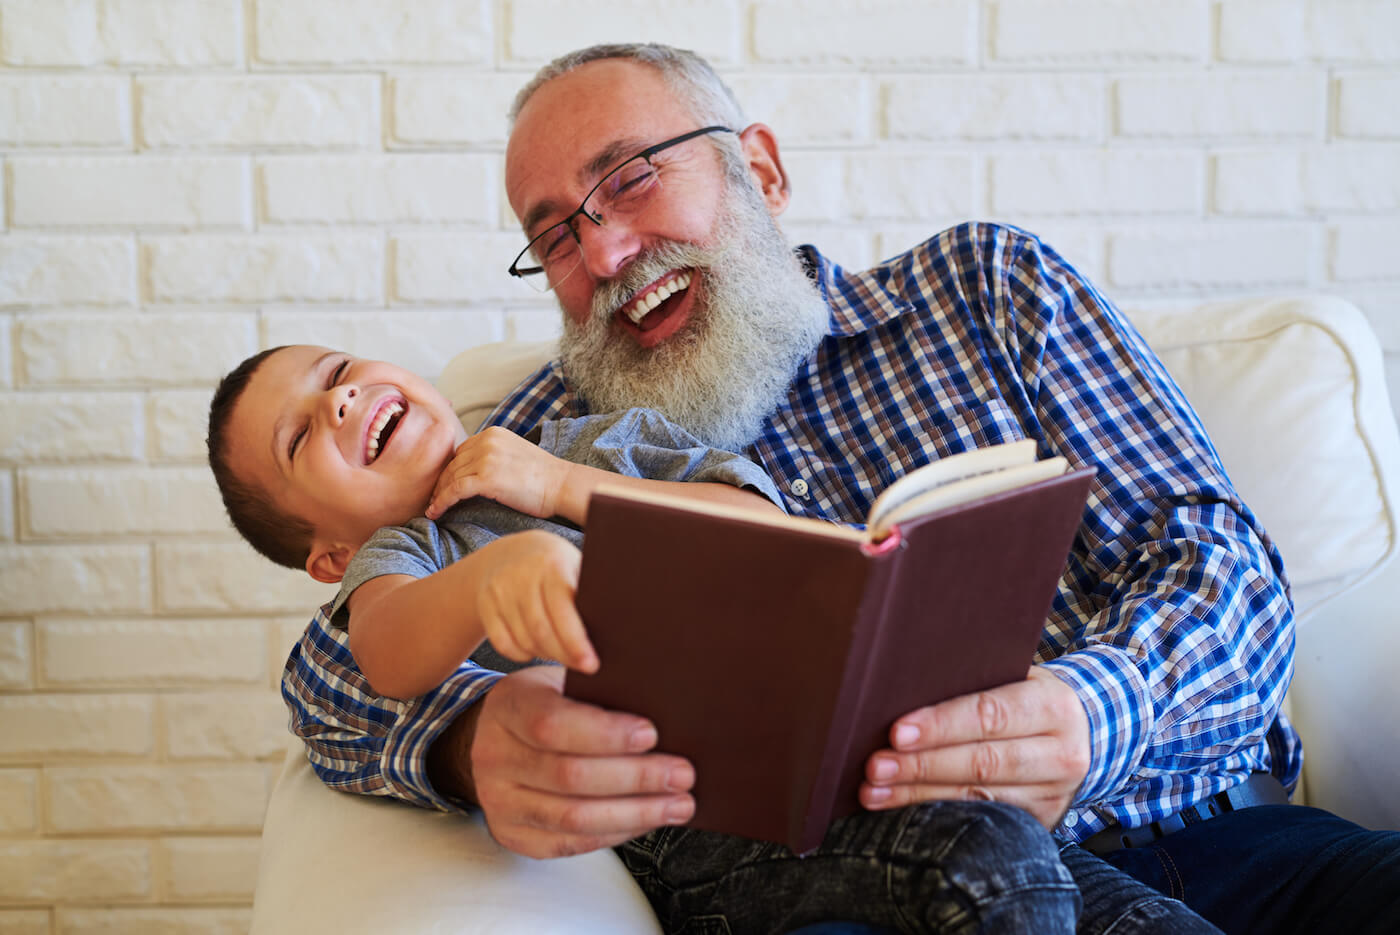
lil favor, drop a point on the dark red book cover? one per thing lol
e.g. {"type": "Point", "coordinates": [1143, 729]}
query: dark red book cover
{"type": "Point", "coordinates": [776, 658]}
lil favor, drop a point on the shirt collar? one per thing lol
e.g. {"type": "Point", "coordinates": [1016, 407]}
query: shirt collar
{"type": "Point", "coordinates": [858, 301]}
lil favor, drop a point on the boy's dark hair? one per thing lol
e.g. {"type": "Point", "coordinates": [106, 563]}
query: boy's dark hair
{"type": "Point", "coordinates": [275, 533]}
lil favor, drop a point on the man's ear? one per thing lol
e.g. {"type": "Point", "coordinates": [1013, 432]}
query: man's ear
{"type": "Point", "coordinates": [766, 166]}
{"type": "Point", "coordinates": [327, 561]}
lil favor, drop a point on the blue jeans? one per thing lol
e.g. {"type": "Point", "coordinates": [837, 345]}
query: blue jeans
{"type": "Point", "coordinates": [1275, 869]}
{"type": "Point", "coordinates": [948, 867]}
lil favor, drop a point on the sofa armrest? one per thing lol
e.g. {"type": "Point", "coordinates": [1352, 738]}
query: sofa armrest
{"type": "Point", "coordinates": [388, 868]}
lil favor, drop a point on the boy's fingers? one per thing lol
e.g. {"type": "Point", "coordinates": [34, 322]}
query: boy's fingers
{"type": "Point", "coordinates": [450, 489]}
{"type": "Point", "coordinates": [505, 643]}
{"type": "Point", "coordinates": [570, 630]}
{"type": "Point", "coordinates": [546, 636]}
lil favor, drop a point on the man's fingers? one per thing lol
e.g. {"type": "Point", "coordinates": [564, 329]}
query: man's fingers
{"type": "Point", "coordinates": [530, 707]}
{"type": "Point", "coordinates": [996, 763]}
{"type": "Point", "coordinates": [559, 828]}
{"type": "Point", "coordinates": [1046, 803]}
{"type": "Point", "coordinates": [1040, 704]}
{"type": "Point", "coordinates": [629, 779]}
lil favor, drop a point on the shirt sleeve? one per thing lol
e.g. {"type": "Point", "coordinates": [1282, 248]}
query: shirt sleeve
{"type": "Point", "coordinates": [644, 443]}
{"type": "Point", "coordinates": [358, 741]}
{"type": "Point", "coordinates": [1188, 646]}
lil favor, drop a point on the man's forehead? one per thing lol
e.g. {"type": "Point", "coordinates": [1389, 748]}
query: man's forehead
{"type": "Point", "coordinates": [582, 123]}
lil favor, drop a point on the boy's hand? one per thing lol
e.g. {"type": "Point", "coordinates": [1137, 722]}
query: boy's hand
{"type": "Point", "coordinates": [504, 467]}
{"type": "Point", "coordinates": [526, 600]}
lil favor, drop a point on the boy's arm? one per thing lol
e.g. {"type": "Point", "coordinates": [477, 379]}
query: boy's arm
{"type": "Point", "coordinates": [584, 480]}
{"type": "Point", "coordinates": [504, 467]}
{"type": "Point", "coordinates": [408, 634]}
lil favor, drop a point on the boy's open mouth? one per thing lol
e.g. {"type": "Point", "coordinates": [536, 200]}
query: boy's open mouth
{"type": "Point", "coordinates": [381, 428]}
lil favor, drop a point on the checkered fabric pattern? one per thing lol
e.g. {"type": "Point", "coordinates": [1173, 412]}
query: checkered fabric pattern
{"type": "Point", "coordinates": [980, 335]}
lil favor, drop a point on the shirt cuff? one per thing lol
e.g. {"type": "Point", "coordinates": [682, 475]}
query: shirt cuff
{"type": "Point", "coordinates": [1115, 699]}
{"type": "Point", "coordinates": [420, 722]}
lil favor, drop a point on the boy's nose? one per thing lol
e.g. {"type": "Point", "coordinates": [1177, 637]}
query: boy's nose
{"type": "Point", "coordinates": [342, 398]}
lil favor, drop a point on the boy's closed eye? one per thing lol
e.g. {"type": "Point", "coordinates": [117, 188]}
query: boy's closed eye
{"type": "Point", "coordinates": [332, 380]}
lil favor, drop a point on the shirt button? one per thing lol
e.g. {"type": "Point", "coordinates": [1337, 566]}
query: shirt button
{"type": "Point", "coordinates": [798, 488]}
{"type": "Point", "coordinates": [1071, 820]}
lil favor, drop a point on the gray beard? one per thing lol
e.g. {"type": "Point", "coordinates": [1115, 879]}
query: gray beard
{"type": "Point", "coordinates": [730, 366]}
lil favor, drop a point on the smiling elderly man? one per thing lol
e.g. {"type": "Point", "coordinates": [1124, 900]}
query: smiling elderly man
{"type": "Point", "coordinates": [1148, 735]}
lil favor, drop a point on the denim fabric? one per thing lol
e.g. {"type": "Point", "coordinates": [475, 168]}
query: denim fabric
{"type": "Point", "coordinates": [950, 867]}
{"type": "Point", "coordinates": [1277, 869]}
{"type": "Point", "coordinates": [1117, 904]}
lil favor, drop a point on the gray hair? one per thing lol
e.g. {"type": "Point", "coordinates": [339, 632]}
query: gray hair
{"type": "Point", "coordinates": [690, 77]}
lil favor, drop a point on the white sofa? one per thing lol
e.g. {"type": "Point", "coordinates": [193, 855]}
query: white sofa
{"type": "Point", "coordinates": [1293, 393]}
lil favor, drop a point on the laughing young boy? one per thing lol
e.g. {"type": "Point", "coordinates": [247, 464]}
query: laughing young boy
{"type": "Point", "coordinates": [359, 472]}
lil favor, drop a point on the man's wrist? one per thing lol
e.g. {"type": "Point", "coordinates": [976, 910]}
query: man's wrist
{"type": "Point", "coordinates": [450, 759]}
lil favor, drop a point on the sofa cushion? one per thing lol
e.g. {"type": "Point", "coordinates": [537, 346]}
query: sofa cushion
{"type": "Point", "coordinates": [480, 377]}
{"type": "Point", "coordinates": [1271, 379]}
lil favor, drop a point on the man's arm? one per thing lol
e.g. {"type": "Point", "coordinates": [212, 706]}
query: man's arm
{"type": "Point", "coordinates": [1172, 654]}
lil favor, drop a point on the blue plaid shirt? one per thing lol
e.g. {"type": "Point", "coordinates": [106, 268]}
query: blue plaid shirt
{"type": "Point", "coordinates": [1172, 622]}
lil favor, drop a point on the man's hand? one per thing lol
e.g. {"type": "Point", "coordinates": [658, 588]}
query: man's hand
{"type": "Point", "coordinates": [1026, 744]}
{"type": "Point", "coordinates": [557, 777]}
{"type": "Point", "coordinates": [502, 466]}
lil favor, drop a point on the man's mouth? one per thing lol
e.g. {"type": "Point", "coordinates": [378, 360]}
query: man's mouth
{"type": "Point", "coordinates": [381, 428]}
{"type": "Point", "coordinates": [654, 296]}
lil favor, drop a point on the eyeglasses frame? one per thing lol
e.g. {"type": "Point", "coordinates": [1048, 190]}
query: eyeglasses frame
{"type": "Point", "coordinates": [646, 154]}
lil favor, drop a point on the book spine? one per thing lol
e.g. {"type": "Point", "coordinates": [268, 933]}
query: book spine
{"type": "Point", "coordinates": [834, 794]}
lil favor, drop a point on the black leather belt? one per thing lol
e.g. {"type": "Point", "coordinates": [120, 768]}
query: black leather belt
{"type": "Point", "coordinates": [1258, 789]}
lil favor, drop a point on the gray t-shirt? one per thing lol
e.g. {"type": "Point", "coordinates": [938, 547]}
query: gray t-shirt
{"type": "Point", "coordinates": [635, 442]}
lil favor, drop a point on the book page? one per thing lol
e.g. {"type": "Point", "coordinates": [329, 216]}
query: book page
{"type": "Point", "coordinates": [804, 524]}
{"type": "Point", "coordinates": [942, 471]}
{"type": "Point", "coordinates": [967, 489]}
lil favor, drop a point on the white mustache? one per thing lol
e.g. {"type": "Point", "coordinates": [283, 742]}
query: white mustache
{"type": "Point", "coordinates": [611, 295]}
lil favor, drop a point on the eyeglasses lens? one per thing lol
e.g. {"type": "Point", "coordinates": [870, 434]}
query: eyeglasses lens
{"type": "Point", "coordinates": [619, 197]}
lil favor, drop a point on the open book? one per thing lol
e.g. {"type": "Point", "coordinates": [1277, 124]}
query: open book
{"type": "Point", "coordinates": [775, 652]}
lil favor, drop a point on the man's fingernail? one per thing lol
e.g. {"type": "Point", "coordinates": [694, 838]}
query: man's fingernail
{"type": "Point", "coordinates": [875, 795]}
{"type": "Point", "coordinates": [884, 768]}
{"type": "Point", "coordinates": [679, 812]}
{"type": "Point", "coordinates": [643, 738]}
{"type": "Point", "coordinates": [680, 779]}
{"type": "Point", "coordinates": [906, 734]}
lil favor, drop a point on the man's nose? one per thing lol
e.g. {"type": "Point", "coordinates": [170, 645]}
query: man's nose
{"type": "Point", "coordinates": [607, 249]}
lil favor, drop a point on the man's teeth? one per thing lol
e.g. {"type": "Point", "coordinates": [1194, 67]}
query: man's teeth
{"type": "Point", "coordinates": [377, 426]}
{"type": "Point", "coordinates": [640, 308]}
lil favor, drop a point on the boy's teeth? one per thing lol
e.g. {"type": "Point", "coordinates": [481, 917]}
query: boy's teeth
{"type": "Point", "coordinates": [377, 426]}
{"type": "Point", "coordinates": [639, 309]}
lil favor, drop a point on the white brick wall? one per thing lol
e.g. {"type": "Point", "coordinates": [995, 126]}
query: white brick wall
{"type": "Point", "coordinates": [183, 182]}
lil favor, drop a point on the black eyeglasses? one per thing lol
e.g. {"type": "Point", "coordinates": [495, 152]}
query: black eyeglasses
{"type": "Point", "coordinates": [550, 257]}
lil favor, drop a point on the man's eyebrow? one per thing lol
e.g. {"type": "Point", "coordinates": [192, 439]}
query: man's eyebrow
{"type": "Point", "coordinates": [281, 426]}
{"type": "Point", "coordinates": [610, 157]}
{"type": "Point", "coordinates": [604, 160]}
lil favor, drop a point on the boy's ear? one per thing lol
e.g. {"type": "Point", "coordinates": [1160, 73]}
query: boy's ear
{"type": "Point", "coordinates": [327, 561]}
{"type": "Point", "coordinates": [760, 147]}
